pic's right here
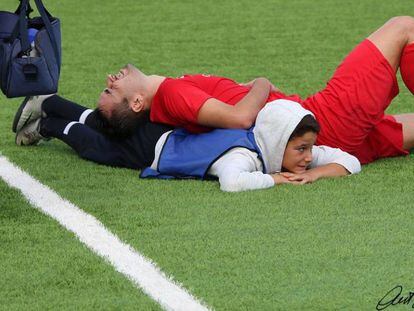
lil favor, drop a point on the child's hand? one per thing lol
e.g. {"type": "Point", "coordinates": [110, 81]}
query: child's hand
{"type": "Point", "coordinates": [300, 179]}
{"type": "Point", "coordinates": [281, 178]}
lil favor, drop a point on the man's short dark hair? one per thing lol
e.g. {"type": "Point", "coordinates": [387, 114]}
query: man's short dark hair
{"type": "Point", "coordinates": [307, 124]}
{"type": "Point", "coordinates": [122, 122]}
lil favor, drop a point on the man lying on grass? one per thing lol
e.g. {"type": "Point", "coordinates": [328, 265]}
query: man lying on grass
{"type": "Point", "coordinates": [350, 110]}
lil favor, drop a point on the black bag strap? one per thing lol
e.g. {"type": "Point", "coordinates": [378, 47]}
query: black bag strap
{"type": "Point", "coordinates": [46, 20]}
{"type": "Point", "coordinates": [24, 36]}
{"type": "Point", "coordinates": [21, 27]}
{"type": "Point", "coordinates": [28, 11]}
{"type": "Point", "coordinates": [46, 11]}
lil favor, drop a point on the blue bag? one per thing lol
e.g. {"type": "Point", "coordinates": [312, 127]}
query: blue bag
{"type": "Point", "coordinates": [29, 68]}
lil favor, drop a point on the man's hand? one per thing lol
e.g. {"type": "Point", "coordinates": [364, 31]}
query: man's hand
{"type": "Point", "coordinates": [215, 113]}
{"type": "Point", "coordinates": [250, 84]}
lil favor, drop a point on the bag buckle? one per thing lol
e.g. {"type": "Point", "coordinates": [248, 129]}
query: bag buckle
{"type": "Point", "coordinates": [30, 72]}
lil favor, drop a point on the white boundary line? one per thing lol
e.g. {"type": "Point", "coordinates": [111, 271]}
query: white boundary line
{"type": "Point", "coordinates": [93, 234]}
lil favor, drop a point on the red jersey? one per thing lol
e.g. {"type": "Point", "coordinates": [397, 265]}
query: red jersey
{"type": "Point", "coordinates": [350, 109]}
{"type": "Point", "coordinates": [178, 100]}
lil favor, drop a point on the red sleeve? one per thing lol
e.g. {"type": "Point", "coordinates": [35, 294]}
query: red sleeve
{"type": "Point", "coordinates": [177, 103]}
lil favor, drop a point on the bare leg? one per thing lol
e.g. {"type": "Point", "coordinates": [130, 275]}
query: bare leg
{"type": "Point", "coordinates": [407, 121]}
{"type": "Point", "coordinates": [391, 40]}
{"type": "Point", "coordinates": [392, 37]}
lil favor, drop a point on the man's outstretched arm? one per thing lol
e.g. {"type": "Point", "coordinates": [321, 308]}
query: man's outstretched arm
{"type": "Point", "coordinates": [215, 113]}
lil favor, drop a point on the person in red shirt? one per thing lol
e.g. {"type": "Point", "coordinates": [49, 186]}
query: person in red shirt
{"type": "Point", "coordinates": [194, 102]}
{"type": "Point", "coordinates": [350, 109]}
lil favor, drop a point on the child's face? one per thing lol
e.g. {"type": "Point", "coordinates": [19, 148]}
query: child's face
{"type": "Point", "coordinates": [298, 153]}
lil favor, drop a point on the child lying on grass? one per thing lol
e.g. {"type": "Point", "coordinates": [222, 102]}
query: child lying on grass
{"type": "Point", "coordinates": [278, 149]}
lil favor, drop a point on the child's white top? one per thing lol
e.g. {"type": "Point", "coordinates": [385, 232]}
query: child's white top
{"type": "Point", "coordinates": [240, 169]}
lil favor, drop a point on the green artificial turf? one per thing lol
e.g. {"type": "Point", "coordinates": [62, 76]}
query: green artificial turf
{"type": "Point", "coordinates": [46, 268]}
{"type": "Point", "coordinates": [336, 244]}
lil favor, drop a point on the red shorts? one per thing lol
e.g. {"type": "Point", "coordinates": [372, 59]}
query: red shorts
{"type": "Point", "coordinates": [351, 108]}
